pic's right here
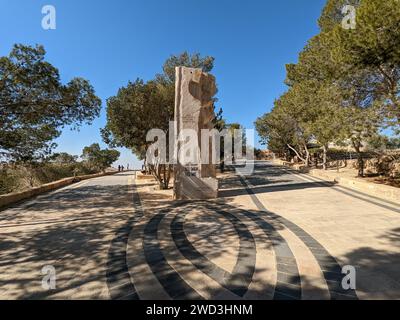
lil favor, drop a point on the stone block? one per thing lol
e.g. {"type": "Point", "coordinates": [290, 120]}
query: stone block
{"type": "Point", "coordinates": [194, 110]}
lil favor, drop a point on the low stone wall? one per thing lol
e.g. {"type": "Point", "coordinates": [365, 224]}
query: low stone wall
{"type": "Point", "coordinates": [296, 166]}
{"type": "Point", "coordinates": [10, 198]}
{"type": "Point", "coordinates": [373, 189]}
{"type": "Point", "coordinates": [283, 163]}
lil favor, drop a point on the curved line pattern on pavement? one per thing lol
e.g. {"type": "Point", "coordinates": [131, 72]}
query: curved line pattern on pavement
{"type": "Point", "coordinates": [239, 280]}
{"type": "Point", "coordinates": [172, 282]}
{"type": "Point", "coordinates": [389, 205]}
{"type": "Point", "coordinates": [288, 286]}
{"type": "Point", "coordinates": [330, 267]}
{"type": "Point", "coordinates": [119, 282]}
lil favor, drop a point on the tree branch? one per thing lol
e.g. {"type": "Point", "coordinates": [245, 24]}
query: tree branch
{"type": "Point", "coordinates": [298, 155]}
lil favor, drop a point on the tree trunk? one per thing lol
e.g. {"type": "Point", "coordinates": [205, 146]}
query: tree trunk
{"type": "Point", "coordinates": [160, 179]}
{"type": "Point", "coordinates": [154, 170]}
{"type": "Point", "coordinates": [360, 159]}
{"type": "Point", "coordinates": [31, 175]}
{"type": "Point", "coordinates": [360, 165]}
{"type": "Point", "coordinates": [165, 180]}
{"type": "Point", "coordinates": [298, 155]}
{"type": "Point", "coordinates": [170, 168]}
{"type": "Point", "coordinates": [162, 174]}
{"type": "Point", "coordinates": [307, 156]}
{"type": "Point", "coordinates": [147, 168]}
{"type": "Point", "coordinates": [324, 160]}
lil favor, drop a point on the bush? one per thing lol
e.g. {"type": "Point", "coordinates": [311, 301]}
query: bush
{"type": "Point", "coordinates": [8, 182]}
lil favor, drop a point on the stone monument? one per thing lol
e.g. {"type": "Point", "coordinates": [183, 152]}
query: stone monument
{"type": "Point", "coordinates": [194, 110]}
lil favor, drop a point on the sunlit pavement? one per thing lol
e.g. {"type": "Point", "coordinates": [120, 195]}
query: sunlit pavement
{"type": "Point", "coordinates": [71, 230]}
{"type": "Point", "coordinates": [273, 235]}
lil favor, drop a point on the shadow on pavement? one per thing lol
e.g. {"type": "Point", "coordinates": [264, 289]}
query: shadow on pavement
{"type": "Point", "coordinates": [72, 231]}
{"type": "Point", "coordinates": [274, 188]}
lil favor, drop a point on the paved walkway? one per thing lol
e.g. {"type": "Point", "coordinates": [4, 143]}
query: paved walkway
{"type": "Point", "coordinates": [275, 235]}
{"type": "Point", "coordinates": [70, 229]}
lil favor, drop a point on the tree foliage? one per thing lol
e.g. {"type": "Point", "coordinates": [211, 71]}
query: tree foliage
{"type": "Point", "coordinates": [373, 48]}
{"type": "Point", "coordinates": [141, 106]}
{"type": "Point", "coordinates": [345, 86]}
{"type": "Point", "coordinates": [63, 158]}
{"type": "Point", "coordinates": [34, 104]}
{"type": "Point", "coordinates": [98, 158]}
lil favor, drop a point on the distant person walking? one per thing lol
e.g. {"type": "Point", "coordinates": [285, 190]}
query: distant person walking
{"type": "Point", "coordinates": [119, 168]}
{"type": "Point", "coordinates": [122, 168]}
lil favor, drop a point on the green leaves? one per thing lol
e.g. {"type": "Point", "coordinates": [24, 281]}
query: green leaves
{"type": "Point", "coordinates": [332, 13]}
{"type": "Point", "coordinates": [376, 39]}
{"type": "Point", "coordinates": [98, 158]}
{"type": "Point", "coordinates": [34, 104]}
{"type": "Point", "coordinates": [140, 107]}
{"type": "Point", "coordinates": [346, 84]}
{"type": "Point", "coordinates": [186, 60]}
{"type": "Point", "coordinates": [373, 49]}
{"type": "Point", "coordinates": [135, 110]}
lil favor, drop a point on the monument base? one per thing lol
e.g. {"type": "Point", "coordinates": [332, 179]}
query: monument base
{"type": "Point", "coordinates": [194, 188]}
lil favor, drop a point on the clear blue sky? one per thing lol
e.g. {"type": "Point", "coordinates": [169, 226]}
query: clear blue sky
{"type": "Point", "coordinates": [111, 42]}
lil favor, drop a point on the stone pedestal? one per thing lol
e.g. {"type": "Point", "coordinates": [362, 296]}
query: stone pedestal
{"type": "Point", "coordinates": [194, 109]}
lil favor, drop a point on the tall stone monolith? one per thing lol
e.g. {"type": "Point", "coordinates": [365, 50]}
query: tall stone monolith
{"type": "Point", "coordinates": [194, 178]}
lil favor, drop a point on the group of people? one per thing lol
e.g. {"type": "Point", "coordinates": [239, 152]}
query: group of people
{"type": "Point", "coordinates": [122, 168]}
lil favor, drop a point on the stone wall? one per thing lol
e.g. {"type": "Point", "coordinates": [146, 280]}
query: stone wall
{"type": "Point", "coordinates": [373, 189]}
{"type": "Point", "coordinates": [11, 198]}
